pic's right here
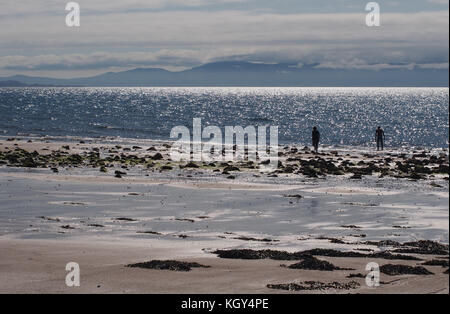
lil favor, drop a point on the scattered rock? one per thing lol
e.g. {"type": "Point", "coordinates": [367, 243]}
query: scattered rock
{"type": "Point", "coordinates": [185, 219]}
{"type": "Point", "coordinates": [125, 219]}
{"type": "Point", "coordinates": [74, 203]}
{"type": "Point", "coordinates": [191, 165]}
{"type": "Point", "coordinates": [68, 227]}
{"type": "Point", "coordinates": [254, 239]}
{"type": "Point", "coordinates": [435, 185]}
{"type": "Point", "coordinates": [149, 232]}
{"type": "Point", "coordinates": [119, 174]}
{"type": "Point", "coordinates": [231, 168]}
{"type": "Point", "coordinates": [401, 227]}
{"type": "Point", "coordinates": [298, 196]}
{"type": "Point", "coordinates": [157, 156]}
{"type": "Point", "coordinates": [333, 240]}
{"type": "Point", "coordinates": [50, 218]}
{"type": "Point", "coordinates": [350, 227]}
{"type": "Point", "coordinates": [359, 275]}
{"type": "Point", "coordinates": [96, 225]}
{"type": "Point", "coordinates": [383, 243]}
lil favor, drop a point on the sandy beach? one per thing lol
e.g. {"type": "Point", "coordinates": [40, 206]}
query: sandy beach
{"type": "Point", "coordinates": [38, 267]}
{"type": "Point", "coordinates": [312, 226]}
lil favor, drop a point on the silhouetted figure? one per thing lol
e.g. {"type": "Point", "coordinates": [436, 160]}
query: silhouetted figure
{"type": "Point", "coordinates": [379, 137]}
{"type": "Point", "coordinates": [315, 139]}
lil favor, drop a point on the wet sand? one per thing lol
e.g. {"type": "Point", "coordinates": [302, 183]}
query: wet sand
{"type": "Point", "coordinates": [57, 207]}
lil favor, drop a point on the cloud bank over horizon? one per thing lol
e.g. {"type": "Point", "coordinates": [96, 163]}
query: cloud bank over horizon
{"type": "Point", "coordinates": [178, 34]}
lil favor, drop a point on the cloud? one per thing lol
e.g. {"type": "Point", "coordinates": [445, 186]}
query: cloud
{"type": "Point", "coordinates": [161, 58]}
{"type": "Point", "coordinates": [226, 27]}
{"type": "Point", "coordinates": [443, 2]}
{"type": "Point", "coordinates": [357, 64]}
{"type": "Point", "coordinates": [185, 38]}
{"type": "Point", "coordinates": [98, 60]}
{"type": "Point", "coordinates": [12, 8]}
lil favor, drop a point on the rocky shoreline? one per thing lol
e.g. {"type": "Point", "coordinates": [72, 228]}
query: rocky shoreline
{"type": "Point", "coordinates": [118, 159]}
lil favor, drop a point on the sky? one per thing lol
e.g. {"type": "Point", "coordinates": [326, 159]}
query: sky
{"type": "Point", "coordinates": [117, 35]}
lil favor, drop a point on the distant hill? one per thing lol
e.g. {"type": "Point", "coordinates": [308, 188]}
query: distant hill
{"type": "Point", "coordinates": [240, 73]}
{"type": "Point", "coordinates": [12, 83]}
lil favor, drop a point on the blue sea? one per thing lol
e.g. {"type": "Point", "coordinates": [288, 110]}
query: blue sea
{"type": "Point", "coordinates": [411, 117]}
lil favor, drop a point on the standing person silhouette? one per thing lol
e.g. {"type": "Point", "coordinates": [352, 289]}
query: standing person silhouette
{"type": "Point", "coordinates": [315, 139]}
{"type": "Point", "coordinates": [380, 137]}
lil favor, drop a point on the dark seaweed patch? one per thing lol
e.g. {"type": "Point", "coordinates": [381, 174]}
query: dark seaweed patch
{"type": "Point", "coordinates": [260, 254]}
{"type": "Point", "coordinates": [185, 219]}
{"type": "Point", "coordinates": [286, 256]}
{"type": "Point", "coordinates": [168, 265]}
{"type": "Point", "coordinates": [254, 239]}
{"type": "Point", "coordinates": [424, 247]}
{"type": "Point", "coordinates": [50, 218]}
{"type": "Point", "coordinates": [149, 232]}
{"type": "Point", "coordinates": [359, 275]}
{"type": "Point", "coordinates": [436, 262]}
{"type": "Point", "coordinates": [96, 225]}
{"type": "Point", "coordinates": [396, 270]}
{"type": "Point", "coordinates": [315, 285]}
{"type": "Point", "coordinates": [312, 263]}
{"type": "Point", "coordinates": [383, 255]}
{"type": "Point", "coordinates": [125, 219]}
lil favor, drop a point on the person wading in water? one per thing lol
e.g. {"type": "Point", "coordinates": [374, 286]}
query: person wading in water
{"type": "Point", "coordinates": [315, 139]}
{"type": "Point", "coordinates": [380, 137]}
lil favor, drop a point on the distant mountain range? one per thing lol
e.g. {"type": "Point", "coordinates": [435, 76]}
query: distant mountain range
{"type": "Point", "coordinates": [232, 73]}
